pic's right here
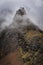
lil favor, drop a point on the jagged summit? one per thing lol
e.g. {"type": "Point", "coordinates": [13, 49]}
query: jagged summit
{"type": "Point", "coordinates": [21, 11]}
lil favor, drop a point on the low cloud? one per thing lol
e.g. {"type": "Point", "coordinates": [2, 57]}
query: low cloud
{"type": "Point", "coordinates": [33, 7]}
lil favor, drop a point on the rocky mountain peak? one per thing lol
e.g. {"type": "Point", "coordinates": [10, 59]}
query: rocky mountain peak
{"type": "Point", "coordinates": [21, 11]}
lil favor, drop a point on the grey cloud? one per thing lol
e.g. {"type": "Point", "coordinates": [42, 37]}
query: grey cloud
{"type": "Point", "coordinates": [34, 8]}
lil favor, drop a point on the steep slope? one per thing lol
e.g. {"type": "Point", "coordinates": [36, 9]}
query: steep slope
{"type": "Point", "coordinates": [21, 45]}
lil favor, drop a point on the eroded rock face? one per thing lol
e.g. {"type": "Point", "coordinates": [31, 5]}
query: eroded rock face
{"type": "Point", "coordinates": [22, 46]}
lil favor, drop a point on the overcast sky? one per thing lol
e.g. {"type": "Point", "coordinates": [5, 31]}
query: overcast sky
{"type": "Point", "coordinates": [34, 8]}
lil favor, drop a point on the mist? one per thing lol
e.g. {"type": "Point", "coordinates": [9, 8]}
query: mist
{"type": "Point", "coordinates": [8, 8]}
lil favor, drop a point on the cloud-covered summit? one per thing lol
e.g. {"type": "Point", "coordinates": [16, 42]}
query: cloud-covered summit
{"type": "Point", "coordinates": [34, 8]}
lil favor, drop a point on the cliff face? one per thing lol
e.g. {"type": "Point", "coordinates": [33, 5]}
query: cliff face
{"type": "Point", "coordinates": [22, 45]}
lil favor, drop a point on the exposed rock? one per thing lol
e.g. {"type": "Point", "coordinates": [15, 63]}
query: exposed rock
{"type": "Point", "coordinates": [21, 11]}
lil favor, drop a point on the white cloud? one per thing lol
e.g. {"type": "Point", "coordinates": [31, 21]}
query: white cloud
{"type": "Point", "coordinates": [38, 3]}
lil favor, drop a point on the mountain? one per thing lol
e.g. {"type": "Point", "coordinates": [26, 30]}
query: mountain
{"type": "Point", "coordinates": [21, 44]}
